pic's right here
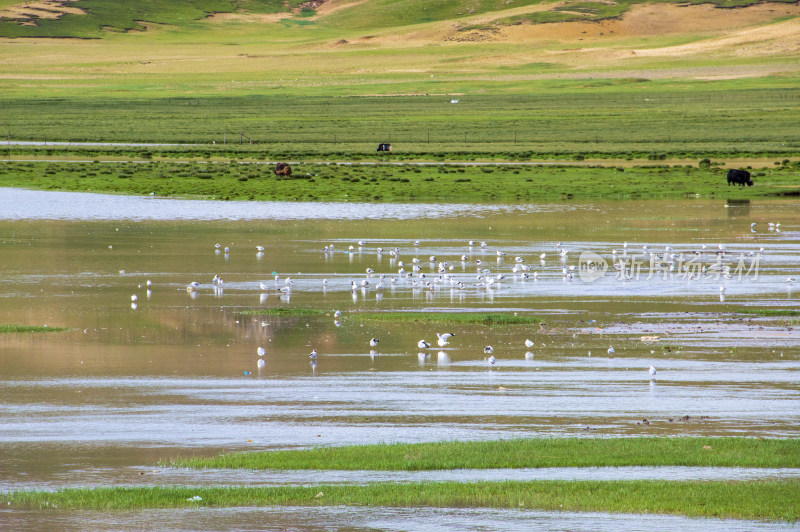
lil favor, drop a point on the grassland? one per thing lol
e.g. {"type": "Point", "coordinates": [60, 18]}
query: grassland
{"type": "Point", "coordinates": [621, 119]}
{"type": "Point", "coordinates": [388, 182]}
{"type": "Point", "coordinates": [767, 500]}
{"type": "Point", "coordinates": [520, 453]}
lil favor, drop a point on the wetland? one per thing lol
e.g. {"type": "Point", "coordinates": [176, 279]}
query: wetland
{"type": "Point", "coordinates": [132, 385]}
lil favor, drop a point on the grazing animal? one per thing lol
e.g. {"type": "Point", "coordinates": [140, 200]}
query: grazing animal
{"type": "Point", "coordinates": [739, 177]}
{"type": "Point", "coordinates": [384, 147]}
{"type": "Point", "coordinates": [283, 169]}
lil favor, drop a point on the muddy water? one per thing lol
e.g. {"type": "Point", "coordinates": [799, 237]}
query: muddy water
{"type": "Point", "coordinates": [178, 373]}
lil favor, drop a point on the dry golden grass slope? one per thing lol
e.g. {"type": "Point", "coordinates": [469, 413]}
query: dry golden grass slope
{"type": "Point", "coordinates": [658, 40]}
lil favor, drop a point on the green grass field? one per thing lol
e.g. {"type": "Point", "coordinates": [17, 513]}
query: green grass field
{"type": "Point", "coordinates": [627, 120]}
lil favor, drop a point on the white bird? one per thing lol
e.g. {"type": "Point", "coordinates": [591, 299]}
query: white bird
{"type": "Point", "coordinates": [611, 350]}
{"type": "Point", "coordinates": [149, 282]}
{"type": "Point", "coordinates": [361, 243]}
{"type": "Point", "coordinates": [790, 280]}
{"type": "Point", "coordinates": [374, 342]}
{"type": "Point", "coordinates": [416, 242]}
{"type": "Point", "coordinates": [488, 350]}
{"type": "Point", "coordinates": [261, 351]}
{"type": "Point", "coordinates": [263, 287]}
{"type": "Point", "coordinates": [501, 254]}
{"type": "Point", "coordinates": [443, 338]}
{"type": "Point", "coordinates": [337, 314]}
{"type": "Point", "coordinates": [217, 245]}
{"type": "Point", "coordinates": [134, 297]}
{"type": "Point", "coordinates": [422, 344]}
{"type": "Point", "coordinates": [528, 343]}
{"type": "Point", "coordinates": [542, 256]}
{"type": "Point", "coordinates": [370, 271]}
{"type": "Point", "coordinates": [259, 248]}
{"type": "Point", "coordinates": [313, 355]}
{"type": "Point", "coordinates": [227, 249]}
{"type": "Point", "coordinates": [652, 371]}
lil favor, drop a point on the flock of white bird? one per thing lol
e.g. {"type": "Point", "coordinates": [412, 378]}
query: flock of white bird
{"type": "Point", "coordinates": [667, 260]}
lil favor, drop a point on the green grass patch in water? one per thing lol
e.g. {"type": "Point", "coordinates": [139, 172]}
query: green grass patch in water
{"type": "Point", "coordinates": [5, 328]}
{"type": "Point", "coordinates": [771, 312]}
{"type": "Point", "coordinates": [769, 499]}
{"type": "Point", "coordinates": [521, 453]}
{"type": "Point", "coordinates": [283, 312]}
{"type": "Point", "coordinates": [479, 318]}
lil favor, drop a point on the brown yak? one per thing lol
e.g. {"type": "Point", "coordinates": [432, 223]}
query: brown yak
{"type": "Point", "coordinates": [283, 169]}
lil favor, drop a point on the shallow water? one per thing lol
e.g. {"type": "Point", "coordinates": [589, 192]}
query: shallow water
{"type": "Point", "coordinates": [350, 518]}
{"type": "Point", "coordinates": [177, 374]}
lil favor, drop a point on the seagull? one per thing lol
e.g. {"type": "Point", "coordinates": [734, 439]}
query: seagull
{"type": "Point", "coordinates": [361, 243]}
{"type": "Point", "coordinates": [422, 344]}
{"type": "Point", "coordinates": [790, 280]}
{"type": "Point", "coordinates": [263, 287]}
{"type": "Point", "coordinates": [134, 297]}
{"type": "Point", "coordinates": [259, 248]}
{"type": "Point", "coordinates": [488, 350]}
{"type": "Point", "coordinates": [374, 342]}
{"type": "Point", "coordinates": [313, 355]}
{"type": "Point", "coordinates": [652, 371]}
{"type": "Point", "coordinates": [611, 350]}
{"type": "Point", "coordinates": [337, 314]}
{"type": "Point", "coordinates": [149, 283]}
{"type": "Point", "coordinates": [261, 351]}
{"type": "Point", "coordinates": [217, 245]}
{"type": "Point", "coordinates": [443, 338]}
{"type": "Point", "coordinates": [528, 343]}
